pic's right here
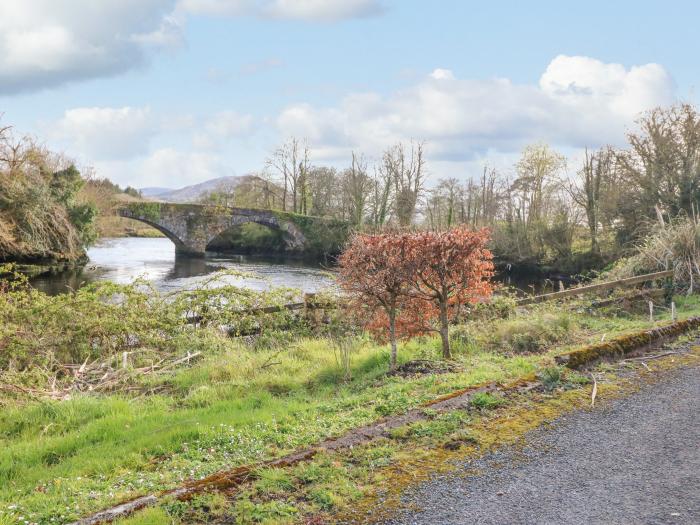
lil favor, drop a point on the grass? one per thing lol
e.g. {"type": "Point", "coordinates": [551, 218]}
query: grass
{"type": "Point", "coordinates": [242, 403]}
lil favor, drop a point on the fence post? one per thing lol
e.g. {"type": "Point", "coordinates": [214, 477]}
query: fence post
{"type": "Point", "coordinates": [311, 310]}
{"type": "Point", "coordinates": [673, 311]}
{"type": "Point", "coordinates": [651, 311]}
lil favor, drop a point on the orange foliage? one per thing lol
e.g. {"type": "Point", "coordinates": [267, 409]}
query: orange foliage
{"type": "Point", "coordinates": [403, 284]}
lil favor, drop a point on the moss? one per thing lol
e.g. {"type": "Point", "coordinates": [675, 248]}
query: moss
{"type": "Point", "coordinates": [620, 346]}
{"type": "Point", "coordinates": [148, 210]}
{"type": "Point", "coordinates": [323, 236]}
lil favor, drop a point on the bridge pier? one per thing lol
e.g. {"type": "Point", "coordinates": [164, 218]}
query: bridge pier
{"type": "Point", "coordinates": [182, 250]}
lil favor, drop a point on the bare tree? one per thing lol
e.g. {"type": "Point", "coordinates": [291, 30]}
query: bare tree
{"type": "Point", "coordinates": [323, 192]}
{"type": "Point", "coordinates": [356, 187]}
{"type": "Point", "coordinates": [533, 199]}
{"type": "Point", "coordinates": [291, 161]}
{"type": "Point", "coordinates": [406, 169]}
{"type": "Point", "coordinates": [586, 190]}
{"type": "Point", "coordinates": [380, 197]}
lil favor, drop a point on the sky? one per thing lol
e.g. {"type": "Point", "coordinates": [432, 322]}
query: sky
{"type": "Point", "coordinates": [173, 92]}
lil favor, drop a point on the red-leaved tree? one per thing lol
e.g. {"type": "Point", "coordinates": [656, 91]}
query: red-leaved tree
{"type": "Point", "coordinates": [446, 270]}
{"type": "Point", "coordinates": [372, 273]}
{"type": "Point", "coordinates": [407, 283]}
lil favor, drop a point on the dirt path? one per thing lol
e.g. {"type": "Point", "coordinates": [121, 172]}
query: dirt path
{"type": "Point", "coordinates": [635, 460]}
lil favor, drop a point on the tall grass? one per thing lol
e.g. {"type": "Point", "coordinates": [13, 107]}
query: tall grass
{"type": "Point", "coordinates": [244, 400]}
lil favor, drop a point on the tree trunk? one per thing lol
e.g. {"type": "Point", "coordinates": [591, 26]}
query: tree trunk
{"type": "Point", "coordinates": [392, 340]}
{"type": "Point", "coordinates": [444, 330]}
{"type": "Point", "coordinates": [284, 195]}
{"type": "Point", "coordinates": [595, 247]}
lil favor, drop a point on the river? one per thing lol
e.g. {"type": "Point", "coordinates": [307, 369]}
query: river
{"type": "Point", "coordinates": [122, 260]}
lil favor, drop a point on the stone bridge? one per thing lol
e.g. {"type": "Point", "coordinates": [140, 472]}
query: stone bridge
{"type": "Point", "coordinates": [192, 227]}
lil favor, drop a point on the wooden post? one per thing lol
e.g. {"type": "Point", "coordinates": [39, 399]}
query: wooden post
{"type": "Point", "coordinates": [561, 286]}
{"type": "Point", "coordinates": [673, 311]}
{"type": "Point", "coordinates": [651, 311]}
{"type": "Point", "coordinates": [125, 359]}
{"type": "Point", "coordinates": [311, 310]}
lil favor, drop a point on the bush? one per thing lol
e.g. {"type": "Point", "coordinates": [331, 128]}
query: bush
{"type": "Point", "coordinates": [534, 335]}
{"type": "Point", "coordinates": [100, 323]}
{"type": "Point", "coordinates": [462, 339]}
{"type": "Point", "coordinates": [500, 306]}
{"type": "Point", "coordinates": [669, 246]}
{"type": "Point", "coordinates": [551, 377]}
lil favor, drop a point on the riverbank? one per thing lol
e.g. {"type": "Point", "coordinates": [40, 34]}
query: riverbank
{"type": "Point", "coordinates": [238, 401]}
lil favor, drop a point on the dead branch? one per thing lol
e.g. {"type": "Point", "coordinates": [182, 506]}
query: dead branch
{"type": "Point", "coordinates": [594, 392]}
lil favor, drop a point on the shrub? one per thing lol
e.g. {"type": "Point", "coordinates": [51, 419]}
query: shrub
{"type": "Point", "coordinates": [462, 339]}
{"type": "Point", "coordinates": [669, 246]}
{"type": "Point", "coordinates": [551, 377]}
{"type": "Point", "coordinates": [500, 306]}
{"type": "Point", "coordinates": [533, 335]}
{"type": "Point", "coordinates": [41, 214]}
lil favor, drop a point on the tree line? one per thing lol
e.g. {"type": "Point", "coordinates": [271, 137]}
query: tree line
{"type": "Point", "coordinates": [545, 209]}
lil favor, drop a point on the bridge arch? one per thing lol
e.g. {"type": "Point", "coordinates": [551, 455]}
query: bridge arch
{"type": "Point", "coordinates": [192, 227]}
{"type": "Point", "coordinates": [179, 245]}
{"type": "Point", "coordinates": [249, 236]}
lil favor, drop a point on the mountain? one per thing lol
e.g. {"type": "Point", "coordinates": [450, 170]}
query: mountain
{"type": "Point", "coordinates": [152, 192]}
{"type": "Point", "coordinates": [194, 192]}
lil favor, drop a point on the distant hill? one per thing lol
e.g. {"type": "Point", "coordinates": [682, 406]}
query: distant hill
{"type": "Point", "coordinates": [151, 192]}
{"type": "Point", "coordinates": [194, 192]}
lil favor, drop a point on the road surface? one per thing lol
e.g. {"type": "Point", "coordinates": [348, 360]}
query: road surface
{"type": "Point", "coordinates": [634, 461]}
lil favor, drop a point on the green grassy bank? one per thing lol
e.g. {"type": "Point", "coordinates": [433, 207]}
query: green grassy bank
{"type": "Point", "coordinates": [242, 400]}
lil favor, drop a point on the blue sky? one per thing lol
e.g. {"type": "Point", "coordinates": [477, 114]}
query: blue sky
{"type": "Point", "coordinates": [171, 92]}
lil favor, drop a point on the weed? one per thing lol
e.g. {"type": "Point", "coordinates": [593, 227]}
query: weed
{"type": "Point", "coordinates": [441, 425]}
{"type": "Point", "coordinates": [268, 512]}
{"type": "Point", "coordinates": [392, 404]}
{"type": "Point", "coordinates": [273, 481]}
{"type": "Point", "coordinates": [486, 401]}
{"type": "Point", "coordinates": [551, 377]}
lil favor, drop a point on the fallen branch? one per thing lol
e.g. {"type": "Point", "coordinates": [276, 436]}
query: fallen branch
{"type": "Point", "coordinates": [594, 392]}
{"type": "Point", "coordinates": [185, 359]}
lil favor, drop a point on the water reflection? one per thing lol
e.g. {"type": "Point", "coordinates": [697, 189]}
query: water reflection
{"type": "Point", "coordinates": [123, 260]}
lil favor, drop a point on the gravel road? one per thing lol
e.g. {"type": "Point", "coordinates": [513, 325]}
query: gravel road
{"type": "Point", "coordinates": [633, 461]}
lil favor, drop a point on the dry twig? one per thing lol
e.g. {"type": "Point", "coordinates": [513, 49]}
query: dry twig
{"type": "Point", "coordinates": [594, 392]}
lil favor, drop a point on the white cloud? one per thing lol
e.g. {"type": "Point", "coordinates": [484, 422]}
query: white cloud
{"type": "Point", "coordinates": [312, 10]}
{"type": "Point", "coordinates": [172, 168]}
{"type": "Point", "coordinates": [140, 147]}
{"type": "Point", "coordinates": [228, 124]}
{"type": "Point", "coordinates": [48, 43]}
{"type": "Point", "coordinates": [106, 133]}
{"type": "Point", "coordinates": [325, 10]}
{"type": "Point", "coordinates": [579, 102]}
{"type": "Point", "coordinates": [45, 43]}
{"type": "Point", "coordinates": [220, 128]}
{"type": "Point", "coordinates": [442, 74]}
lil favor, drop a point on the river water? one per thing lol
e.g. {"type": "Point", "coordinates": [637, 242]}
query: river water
{"type": "Point", "coordinates": [122, 260]}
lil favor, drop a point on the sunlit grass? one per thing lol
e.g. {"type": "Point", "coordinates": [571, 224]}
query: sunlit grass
{"type": "Point", "coordinates": [239, 405]}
